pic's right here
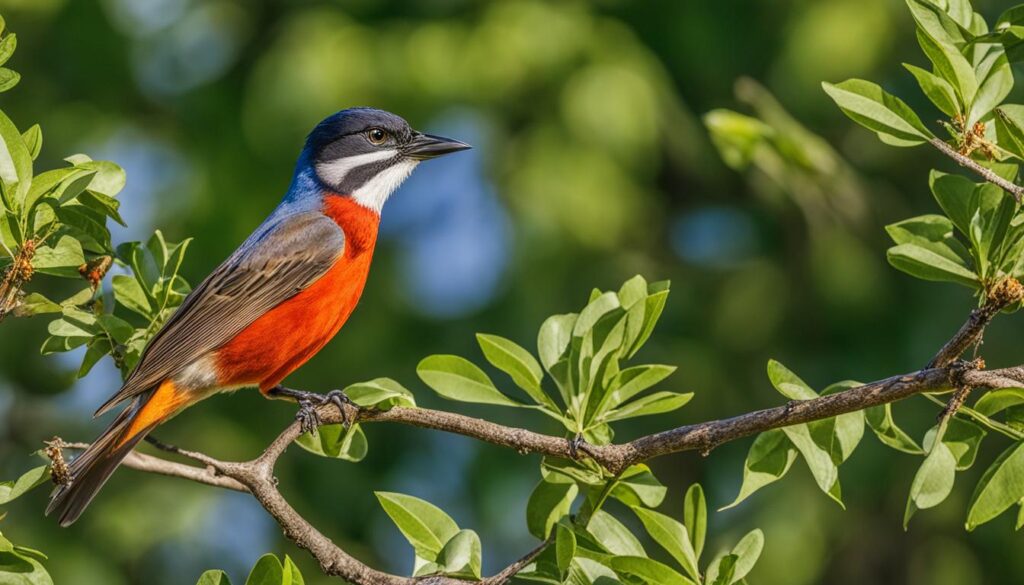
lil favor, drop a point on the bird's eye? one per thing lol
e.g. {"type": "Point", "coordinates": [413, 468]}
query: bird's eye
{"type": "Point", "coordinates": [376, 136]}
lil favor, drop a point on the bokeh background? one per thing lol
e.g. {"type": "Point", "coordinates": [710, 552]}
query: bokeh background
{"type": "Point", "coordinates": [593, 162]}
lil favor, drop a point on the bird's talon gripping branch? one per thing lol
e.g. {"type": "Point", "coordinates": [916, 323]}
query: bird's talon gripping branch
{"type": "Point", "coordinates": [339, 399]}
{"type": "Point", "coordinates": [308, 416]}
{"type": "Point", "coordinates": [575, 445]}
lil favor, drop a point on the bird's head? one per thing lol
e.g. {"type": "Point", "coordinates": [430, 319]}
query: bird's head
{"type": "Point", "coordinates": [366, 153]}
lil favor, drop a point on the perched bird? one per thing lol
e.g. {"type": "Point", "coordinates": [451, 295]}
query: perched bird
{"type": "Point", "coordinates": [275, 302]}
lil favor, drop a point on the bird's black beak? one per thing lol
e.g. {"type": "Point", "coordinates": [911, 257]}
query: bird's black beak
{"type": "Point", "coordinates": [424, 146]}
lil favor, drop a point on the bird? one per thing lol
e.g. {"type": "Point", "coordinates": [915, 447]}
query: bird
{"type": "Point", "coordinates": [276, 300]}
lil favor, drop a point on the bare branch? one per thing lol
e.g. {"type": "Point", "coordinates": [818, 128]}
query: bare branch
{"type": "Point", "coordinates": [1016, 190]}
{"type": "Point", "coordinates": [256, 476]}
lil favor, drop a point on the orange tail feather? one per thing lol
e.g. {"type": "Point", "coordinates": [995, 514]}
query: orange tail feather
{"type": "Point", "coordinates": [90, 470]}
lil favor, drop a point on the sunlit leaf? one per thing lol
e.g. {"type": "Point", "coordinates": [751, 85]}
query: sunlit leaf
{"type": "Point", "coordinates": [457, 378]}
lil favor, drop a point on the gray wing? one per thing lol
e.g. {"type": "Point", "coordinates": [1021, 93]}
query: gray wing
{"type": "Point", "coordinates": [276, 263]}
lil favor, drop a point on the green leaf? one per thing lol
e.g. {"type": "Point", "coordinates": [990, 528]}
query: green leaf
{"type": "Point", "coordinates": [380, 393]}
{"type": "Point", "coordinates": [550, 501]}
{"type": "Point", "coordinates": [632, 381]}
{"type": "Point", "coordinates": [18, 566]}
{"type": "Point", "coordinates": [457, 378]}
{"type": "Point", "coordinates": [770, 457]}
{"type": "Point", "coordinates": [292, 576]}
{"type": "Point", "coordinates": [8, 79]}
{"type": "Point", "coordinates": [657, 403]}
{"type": "Point", "coordinates": [63, 259]}
{"type": "Point", "coordinates": [996, 401]}
{"type": "Point", "coordinates": [460, 556]}
{"type": "Point", "coordinates": [15, 160]}
{"type": "Point", "coordinates": [613, 535]}
{"type": "Point", "coordinates": [423, 524]}
{"type": "Point", "coordinates": [925, 264]}
{"type": "Point", "coordinates": [7, 46]}
{"type": "Point", "coordinates": [638, 486]}
{"type": "Point", "coordinates": [672, 537]}
{"type": "Point", "coordinates": [963, 438]}
{"type": "Point", "coordinates": [553, 339]}
{"type": "Point", "coordinates": [1009, 122]}
{"type": "Point", "coordinates": [996, 85]}
{"type": "Point", "coordinates": [819, 460]}
{"type": "Point", "coordinates": [648, 571]}
{"type": "Point", "coordinates": [519, 364]}
{"type": "Point", "coordinates": [695, 517]}
{"type": "Point", "coordinates": [933, 481]}
{"type": "Point", "coordinates": [130, 294]}
{"type": "Point", "coordinates": [33, 138]}
{"type": "Point", "coordinates": [789, 384]}
{"type": "Point", "coordinates": [653, 307]}
{"type": "Point", "coordinates": [214, 577]}
{"type": "Point", "coordinates": [953, 193]}
{"type": "Point", "coordinates": [880, 420]}
{"type": "Point", "coordinates": [592, 313]}
{"type": "Point", "coordinates": [11, 490]}
{"type": "Point", "coordinates": [35, 304]}
{"type": "Point", "coordinates": [938, 90]}
{"type": "Point", "coordinates": [336, 442]}
{"type": "Point", "coordinates": [723, 571]}
{"type": "Point", "coordinates": [1000, 487]}
{"type": "Point", "coordinates": [565, 546]}
{"type": "Point", "coordinates": [268, 570]}
{"type": "Point", "coordinates": [871, 107]}
{"type": "Point", "coordinates": [747, 551]}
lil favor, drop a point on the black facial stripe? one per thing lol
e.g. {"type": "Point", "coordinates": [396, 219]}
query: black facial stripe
{"type": "Point", "coordinates": [360, 175]}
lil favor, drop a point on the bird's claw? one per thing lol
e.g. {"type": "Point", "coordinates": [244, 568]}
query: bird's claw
{"type": "Point", "coordinates": [309, 415]}
{"type": "Point", "coordinates": [574, 445]}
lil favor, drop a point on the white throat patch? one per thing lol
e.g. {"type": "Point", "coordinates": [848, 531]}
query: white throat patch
{"type": "Point", "coordinates": [376, 191]}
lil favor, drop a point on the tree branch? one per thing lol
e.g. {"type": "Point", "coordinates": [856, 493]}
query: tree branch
{"type": "Point", "coordinates": [257, 476]}
{"type": "Point", "coordinates": [1016, 190]}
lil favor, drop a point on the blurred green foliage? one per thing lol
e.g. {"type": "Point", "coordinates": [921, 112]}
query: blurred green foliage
{"type": "Point", "coordinates": [587, 125]}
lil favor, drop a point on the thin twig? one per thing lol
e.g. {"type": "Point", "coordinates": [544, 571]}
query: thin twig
{"type": "Point", "coordinates": [1016, 190]}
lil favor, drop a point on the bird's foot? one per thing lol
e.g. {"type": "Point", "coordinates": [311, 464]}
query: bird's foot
{"type": "Point", "coordinates": [309, 402]}
{"type": "Point", "coordinates": [575, 444]}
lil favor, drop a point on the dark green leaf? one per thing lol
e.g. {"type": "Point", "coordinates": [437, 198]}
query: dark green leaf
{"type": "Point", "coordinates": [550, 501]}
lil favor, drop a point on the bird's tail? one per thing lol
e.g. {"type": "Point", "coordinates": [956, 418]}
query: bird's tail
{"type": "Point", "coordinates": [90, 470]}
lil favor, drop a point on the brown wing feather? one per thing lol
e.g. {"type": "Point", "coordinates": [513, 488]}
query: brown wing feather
{"type": "Point", "coordinates": [277, 262]}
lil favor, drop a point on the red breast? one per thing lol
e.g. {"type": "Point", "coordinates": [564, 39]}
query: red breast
{"type": "Point", "coordinates": [286, 337]}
